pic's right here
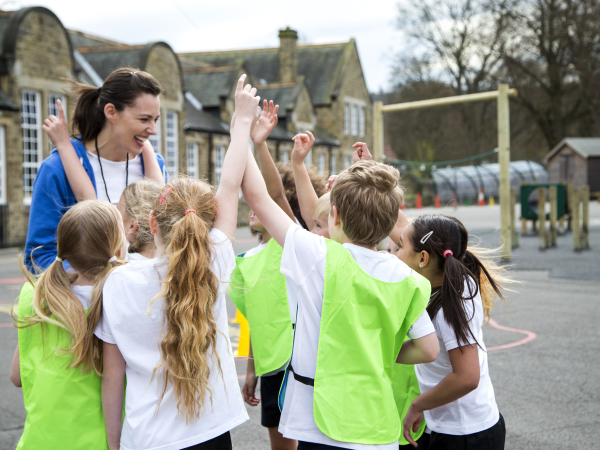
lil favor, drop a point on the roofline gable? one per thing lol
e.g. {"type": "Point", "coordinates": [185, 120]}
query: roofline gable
{"type": "Point", "coordinates": [561, 144]}
{"type": "Point", "coordinates": [9, 45]}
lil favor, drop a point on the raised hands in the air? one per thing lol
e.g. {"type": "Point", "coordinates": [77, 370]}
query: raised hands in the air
{"type": "Point", "coordinates": [303, 143]}
{"type": "Point", "coordinates": [362, 153]}
{"type": "Point", "coordinates": [266, 122]}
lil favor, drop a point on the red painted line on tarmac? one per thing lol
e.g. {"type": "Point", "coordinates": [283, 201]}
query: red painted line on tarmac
{"type": "Point", "coordinates": [241, 377]}
{"type": "Point", "coordinates": [13, 280]}
{"type": "Point", "coordinates": [6, 325]}
{"type": "Point", "coordinates": [530, 336]}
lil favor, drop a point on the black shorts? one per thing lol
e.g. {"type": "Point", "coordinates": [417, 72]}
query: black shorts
{"type": "Point", "coordinates": [422, 443]}
{"type": "Point", "coordinates": [490, 439]}
{"type": "Point", "coordinates": [269, 396]}
{"type": "Point", "coordinates": [222, 442]}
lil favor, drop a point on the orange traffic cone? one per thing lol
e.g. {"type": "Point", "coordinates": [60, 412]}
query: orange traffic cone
{"type": "Point", "coordinates": [453, 200]}
{"type": "Point", "coordinates": [480, 198]}
{"type": "Point", "coordinates": [419, 204]}
{"type": "Point", "coordinates": [437, 201]}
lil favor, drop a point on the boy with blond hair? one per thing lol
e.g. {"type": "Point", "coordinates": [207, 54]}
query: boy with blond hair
{"type": "Point", "coordinates": [355, 306]}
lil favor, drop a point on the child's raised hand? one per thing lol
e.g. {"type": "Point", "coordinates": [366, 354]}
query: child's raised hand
{"type": "Point", "coordinates": [330, 182]}
{"type": "Point", "coordinates": [302, 145]}
{"type": "Point", "coordinates": [266, 123]}
{"type": "Point", "coordinates": [56, 127]}
{"type": "Point", "coordinates": [246, 101]}
{"type": "Point", "coordinates": [362, 153]}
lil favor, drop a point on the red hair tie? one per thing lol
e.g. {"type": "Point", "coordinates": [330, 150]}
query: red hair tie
{"type": "Point", "coordinates": [448, 251]}
{"type": "Point", "coordinates": [190, 210]}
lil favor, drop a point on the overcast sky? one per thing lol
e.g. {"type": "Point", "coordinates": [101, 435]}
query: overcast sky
{"type": "Point", "coordinates": [192, 25]}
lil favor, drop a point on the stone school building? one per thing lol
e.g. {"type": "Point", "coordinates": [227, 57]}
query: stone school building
{"type": "Point", "coordinates": [320, 88]}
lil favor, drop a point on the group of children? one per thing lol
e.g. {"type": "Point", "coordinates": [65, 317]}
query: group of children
{"type": "Point", "coordinates": [123, 339]}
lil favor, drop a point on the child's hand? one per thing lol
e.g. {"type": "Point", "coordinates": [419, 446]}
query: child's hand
{"type": "Point", "coordinates": [246, 101]}
{"type": "Point", "coordinates": [56, 127]}
{"type": "Point", "coordinates": [412, 422]}
{"type": "Point", "coordinates": [249, 390]}
{"type": "Point", "coordinates": [362, 153]}
{"type": "Point", "coordinates": [302, 145]}
{"type": "Point", "coordinates": [266, 123]}
{"type": "Point", "coordinates": [330, 182]}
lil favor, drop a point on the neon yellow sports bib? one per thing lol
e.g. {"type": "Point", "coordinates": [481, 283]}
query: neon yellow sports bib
{"type": "Point", "coordinates": [363, 324]}
{"type": "Point", "coordinates": [259, 291]}
{"type": "Point", "coordinates": [64, 406]}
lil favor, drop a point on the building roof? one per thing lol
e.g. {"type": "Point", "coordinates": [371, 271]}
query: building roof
{"type": "Point", "coordinates": [81, 39]}
{"type": "Point", "coordinates": [105, 59]}
{"type": "Point", "coordinates": [323, 137]}
{"type": "Point", "coordinates": [284, 95]}
{"type": "Point", "coordinates": [200, 120]}
{"type": "Point", "coordinates": [321, 65]}
{"type": "Point", "coordinates": [586, 147]}
{"type": "Point", "coordinates": [209, 84]}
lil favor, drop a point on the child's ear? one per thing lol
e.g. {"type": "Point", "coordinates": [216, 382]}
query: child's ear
{"type": "Point", "coordinates": [133, 227]}
{"type": "Point", "coordinates": [424, 259]}
{"type": "Point", "coordinates": [336, 216]}
{"type": "Point", "coordinates": [153, 223]}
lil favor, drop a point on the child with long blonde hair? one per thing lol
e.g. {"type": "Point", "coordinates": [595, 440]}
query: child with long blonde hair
{"type": "Point", "coordinates": [54, 359]}
{"type": "Point", "coordinates": [135, 205]}
{"type": "Point", "coordinates": [164, 321]}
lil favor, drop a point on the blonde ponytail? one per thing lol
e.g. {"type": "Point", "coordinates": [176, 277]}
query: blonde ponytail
{"type": "Point", "coordinates": [88, 236]}
{"type": "Point", "coordinates": [185, 215]}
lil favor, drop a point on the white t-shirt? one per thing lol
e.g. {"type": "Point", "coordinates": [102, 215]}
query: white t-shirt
{"type": "Point", "coordinates": [83, 293]}
{"type": "Point", "coordinates": [135, 257]}
{"type": "Point", "coordinates": [303, 261]}
{"type": "Point", "coordinates": [127, 294]}
{"type": "Point", "coordinates": [115, 176]}
{"type": "Point", "coordinates": [476, 411]}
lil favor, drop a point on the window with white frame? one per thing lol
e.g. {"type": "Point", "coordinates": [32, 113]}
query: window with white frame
{"type": "Point", "coordinates": [31, 124]}
{"type": "Point", "coordinates": [192, 160]}
{"type": "Point", "coordinates": [361, 121]}
{"type": "Point", "coordinates": [332, 168]}
{"type": "Point", "coordinates": [347, 160]}
{"type": "Point", "coordinates": [172, 144]}
{"type": "Point", "coordinates": [354, 117]}
{"type": "Point", "coordinates": [354, 121]}
{"type": "Point", "coordinates": [53, 110]}
{"type": "Point", "coordinates": [156, 139]}
{"type": "Point", "coordinates": [219, 158]}
{"type": "Point", "coordinates": [321, 163]}
{"type": "Point", "coordinates": [284, 156]}
{"type": "Point", "coordinates": [2, 167]}
{"type": "Point", "coordinates": [347, 118]}
{"type": "Point", "coordinates": [308, 159]}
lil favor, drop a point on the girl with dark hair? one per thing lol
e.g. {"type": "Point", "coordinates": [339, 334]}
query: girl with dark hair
{"type": "Point", "coordinates": [113, 123]}
{"type": "Point", "coordinates": [457, 396]}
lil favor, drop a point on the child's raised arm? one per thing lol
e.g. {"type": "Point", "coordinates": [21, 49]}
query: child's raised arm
{"type": "Point", "coordinates": [236, 158]}
{"type": "Point", "coordinates": [307, 197]}
{"type": "Point", "coordinates": [151, 168]}
{"type": "Point", "coordinates": [259, 135]}
{"type": "Point", "coordinates": [269, 213]}
{"type": "Point", "coordinates": [57, 130]}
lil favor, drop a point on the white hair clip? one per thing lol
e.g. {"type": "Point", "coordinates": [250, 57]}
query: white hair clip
{"type": "Point", "coordinates": [58, 259]}
{"type": "Point", "coordinates": [427, 236]}
{"type": "Point", "coordinates": [112, 260]}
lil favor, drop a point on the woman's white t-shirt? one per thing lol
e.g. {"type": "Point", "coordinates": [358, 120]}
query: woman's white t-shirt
{"type": "Point", "coordinates": [115, 175]}
{"type": "Point", "coordinates": [476, 411]}
{"type": "Point", "coordinates": [303, 261]}
{"type": "Point", "coordinates": [127, 294]}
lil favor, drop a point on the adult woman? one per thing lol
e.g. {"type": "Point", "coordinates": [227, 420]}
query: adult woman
{"type": "Point", "coordinates": [113, 123]}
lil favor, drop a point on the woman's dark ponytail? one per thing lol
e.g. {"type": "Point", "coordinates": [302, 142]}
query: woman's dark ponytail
{"type": "Point", "coordinates": [464, 275]}
{"type": "Point", "coordinates": [121, 88]}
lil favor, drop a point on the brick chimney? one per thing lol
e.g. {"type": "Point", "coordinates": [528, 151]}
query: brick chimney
{"type": "Point", "coordinates": [288, 55]}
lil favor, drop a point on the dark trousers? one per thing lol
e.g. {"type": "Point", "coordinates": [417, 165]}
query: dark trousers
{"type": "Point", "coordinates": [222, 442]}
{"type": "Point", "coordinates": [490, 439]}
{"type": "Point", "coordinates": [422, 442]}
{"type": "Point", "coordinates": [312, 446]}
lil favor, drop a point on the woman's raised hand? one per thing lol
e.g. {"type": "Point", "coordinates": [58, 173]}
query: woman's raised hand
{"type": "Point", "coordinates": [56, 127]}
{"type": "Point", "coordinates": [246, 101]}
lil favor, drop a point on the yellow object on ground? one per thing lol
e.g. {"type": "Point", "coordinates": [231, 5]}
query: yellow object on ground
{"type": "Point", "coordinates": [244, 339]}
